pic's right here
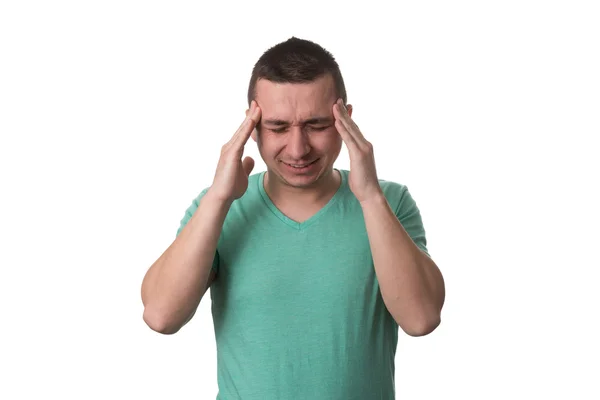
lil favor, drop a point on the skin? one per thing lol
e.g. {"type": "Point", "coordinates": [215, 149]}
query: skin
{"type": "Point", "coordinates": [412, 285]}
{"type": "Point", "coordinates": [174, 285]}
{"type": "Point", "coordinates": [297, 126]}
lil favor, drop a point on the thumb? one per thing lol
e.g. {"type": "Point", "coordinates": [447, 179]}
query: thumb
{"type": "Point", "coordinates": [248, 165]}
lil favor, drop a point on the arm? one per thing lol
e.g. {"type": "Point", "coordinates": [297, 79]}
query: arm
{"type": "Point", "coordinates": [174, 285]}
{"type": "Point", "coordinates": [176, 282]}
{"type": "Point", "coordinates": [411, 284]}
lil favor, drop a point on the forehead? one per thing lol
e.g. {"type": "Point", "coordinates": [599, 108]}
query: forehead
{"type": "Point", "coordinates": [296, 101]}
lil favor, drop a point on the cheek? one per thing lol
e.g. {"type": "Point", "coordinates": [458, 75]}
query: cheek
{"type": "Point", "coordinates": [329, 140]}
{"type": "Point", "coordinates": [270, 143]}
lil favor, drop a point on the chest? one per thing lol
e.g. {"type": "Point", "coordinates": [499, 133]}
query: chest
{"type": "Point", "coordinates": [326, 267]}
{"type": "Point", "coordinates": [299, 214]}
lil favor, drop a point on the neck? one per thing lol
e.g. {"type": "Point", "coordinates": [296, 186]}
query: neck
{"type": "Point", "coordinates": [322, 190]}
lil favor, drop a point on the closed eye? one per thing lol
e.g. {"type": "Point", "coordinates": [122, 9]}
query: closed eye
{"type": "Point", "coordinates": [319, 128]}
{"type": "Point", "coordinates": [312, 128]}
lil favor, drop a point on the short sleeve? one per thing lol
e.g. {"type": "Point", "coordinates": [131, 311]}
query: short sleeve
{"type": "Point", "coordinates": [186, 218]}
{"type": "Point", "coordinates": [408, 214]}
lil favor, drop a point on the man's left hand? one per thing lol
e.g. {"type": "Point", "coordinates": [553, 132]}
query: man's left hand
{"type": "Point", "coordinates": [363, 179]}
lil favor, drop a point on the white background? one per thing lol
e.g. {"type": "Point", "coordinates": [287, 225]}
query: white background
{"type": "Point", "coordinates": [112, 115]}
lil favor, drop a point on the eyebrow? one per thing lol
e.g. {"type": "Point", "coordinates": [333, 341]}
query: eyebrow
{"type": "Point", "coordinates": [310, 121]}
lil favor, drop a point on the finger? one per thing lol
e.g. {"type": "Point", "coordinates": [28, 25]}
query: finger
{"type": "Point", "coordinates": [241, 136]}
{"type": "Point", "coordinates": [348, 122]}
{"type": "Point", "coordinates": [341, 127]}
{"type": "Point", "coordinates": [240, 128]}
{"type": "Point", "coordinates": [248, 126]}
{"type": "Point", "coordinates": [248, 120]}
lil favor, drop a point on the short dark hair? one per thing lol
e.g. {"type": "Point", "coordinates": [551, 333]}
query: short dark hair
{"type": "Point", "coordinates": [296, 61]}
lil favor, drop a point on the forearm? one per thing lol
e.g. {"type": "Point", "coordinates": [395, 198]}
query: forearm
{"type": "Point", "coordinates": [175, 284]}
{"type": "Point", "coordinates": [411, 284]}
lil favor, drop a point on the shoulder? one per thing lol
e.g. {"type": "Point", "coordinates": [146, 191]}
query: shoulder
{"type": "Point", "coordinates": [253, 181]}
{"type": "Point", "coordinates": [393, 191]}
{"type": "Point", "coordinates": [399, 198]}
{"type": "Point", "coordinates": [251, 193]}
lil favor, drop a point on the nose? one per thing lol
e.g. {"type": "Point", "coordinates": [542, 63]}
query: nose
{"type": "Point", "coordinates": [297, 145]}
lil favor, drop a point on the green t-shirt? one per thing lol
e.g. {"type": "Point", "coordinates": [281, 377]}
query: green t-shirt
{"type": "Point", "coordinates": [296, 307]}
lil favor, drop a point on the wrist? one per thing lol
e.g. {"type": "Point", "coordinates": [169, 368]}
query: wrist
{"type": "Point", "coordinates": [215, 201]}
{"type": "Point", "coordinates": [378, 199]}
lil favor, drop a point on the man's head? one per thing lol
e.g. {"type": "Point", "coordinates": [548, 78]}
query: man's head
{"type": "Point", "coordinates": [295, 84]}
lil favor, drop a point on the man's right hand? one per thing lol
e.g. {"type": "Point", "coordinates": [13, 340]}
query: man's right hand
{"type": "Point", "coordinates": [231, 177]}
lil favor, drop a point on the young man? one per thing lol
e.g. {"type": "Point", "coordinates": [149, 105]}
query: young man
{"type": "Point", "coordinates": [312, 269]}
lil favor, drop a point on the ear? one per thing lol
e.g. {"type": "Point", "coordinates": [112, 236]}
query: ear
{"type": "Point", "coordinates": [349, 108]}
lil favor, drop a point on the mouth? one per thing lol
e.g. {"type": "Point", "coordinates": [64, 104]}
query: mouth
{"type": "Point", "coordinates": [304, 165]}
{"type": "Point", "coordinates": [300, 167]}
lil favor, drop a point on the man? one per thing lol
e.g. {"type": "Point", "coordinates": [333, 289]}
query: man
{"type": "Point", "coordinates": [312, 269]}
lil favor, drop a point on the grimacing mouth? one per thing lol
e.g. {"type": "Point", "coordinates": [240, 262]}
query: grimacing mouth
{"type": "Point", "coordinates": [303, 165]}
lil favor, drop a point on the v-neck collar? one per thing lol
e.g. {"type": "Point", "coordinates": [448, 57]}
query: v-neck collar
{"type": "Point", "coordinates": [290, 222]}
